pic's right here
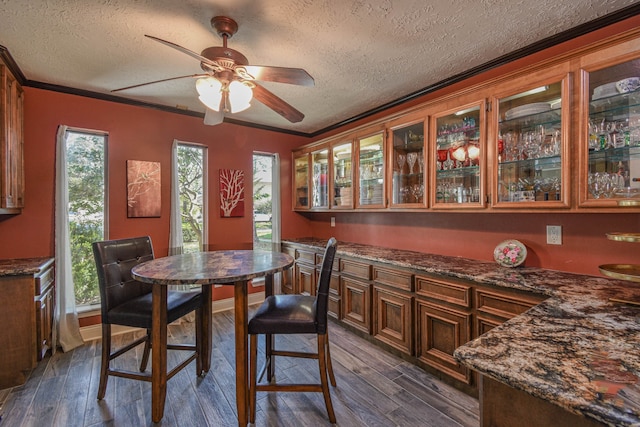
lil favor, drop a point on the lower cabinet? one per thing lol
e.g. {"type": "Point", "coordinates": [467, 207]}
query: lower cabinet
{"type": "Point", "coordinates": [26, 315]}
{"type": "Point", "coordinates": [440, 330]}
{"type": "Point", "coordinates": [421, 316]}
{"type": "Point", "coordinates": [392, 318]}
{"type": "Point", "coordinates": [356, 303]}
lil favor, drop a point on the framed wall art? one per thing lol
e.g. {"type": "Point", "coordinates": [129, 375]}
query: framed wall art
{"type": "Point", "coordinates": [143, 189]}
{"type": "Point", "coordinates": [231, 193]}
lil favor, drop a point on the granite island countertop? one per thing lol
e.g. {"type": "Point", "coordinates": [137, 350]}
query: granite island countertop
{"type": "Point", "coordinates": [23, 266]}
{"type": "Point", "coordinates": [576, 349]}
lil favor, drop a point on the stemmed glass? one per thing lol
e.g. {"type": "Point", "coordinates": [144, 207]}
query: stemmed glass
{"type": "Point", "coordinates": [402, 158]}
{"type": "Point", "coordinates": [411, 159]}
{"type": "Point", "coordinates": [442, 157]}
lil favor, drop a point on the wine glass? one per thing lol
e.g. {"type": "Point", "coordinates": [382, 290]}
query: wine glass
{"type": "Point", "coordinates": [411, 160]}
{"type": "Point", "coordinates": [402, 158]}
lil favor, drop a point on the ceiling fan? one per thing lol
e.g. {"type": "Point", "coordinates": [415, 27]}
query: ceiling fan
{"type": "Point", "coordinates": [229, 83]}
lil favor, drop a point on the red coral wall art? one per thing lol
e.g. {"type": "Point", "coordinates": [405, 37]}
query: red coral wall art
{"type": "Point", "coordinates": [231, 193]}
{"type": "Point", "coordinates": [143, 189]}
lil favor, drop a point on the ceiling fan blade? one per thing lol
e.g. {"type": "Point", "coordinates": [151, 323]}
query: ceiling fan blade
{"type": "Point", "coordinates": [195, 76]}
{"type": "Point", "coordinates": [212, 117]}
{"type": "Point", "coordinates": [277, 104]}
{"type": "Point", "coordinates": [191, 53]}
{"type": "Point", "coordinates": [294, 76]}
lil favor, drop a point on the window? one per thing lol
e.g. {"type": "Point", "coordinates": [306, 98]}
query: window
{"type": "Point", "coordinates": [266, 201]}
{"type": "Point", "coordinates": [86, 170]}
{"type": "Point", "coordinates": [192, 186]}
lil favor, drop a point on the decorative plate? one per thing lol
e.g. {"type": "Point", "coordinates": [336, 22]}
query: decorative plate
{"type": "Point", "coordinates": [510, 253]}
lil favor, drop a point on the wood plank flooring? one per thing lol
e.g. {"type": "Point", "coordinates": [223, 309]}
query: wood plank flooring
{"type": "Point", "coordinates": [374, 388]}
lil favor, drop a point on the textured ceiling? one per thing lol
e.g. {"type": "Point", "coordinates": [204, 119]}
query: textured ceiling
{"type": "Point", "coordinates": [362, 54]}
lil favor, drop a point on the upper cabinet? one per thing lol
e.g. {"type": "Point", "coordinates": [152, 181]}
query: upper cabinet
{"type": "Point", "coordinates": [342, 178]}
{"type": "Point", "coordinates": [458, 156]}
{"type": "Point", "coordinates": [11, 143]}
{"type": "Point", "coordinates": [371, 170]}
{"type": "Point", "coordinates": [558, 135]}
{"type": "Point", "coordinates": [320, 179]}
{"type": "Point", "coordinates": [529, 141]}
{"type": "Point", "coordinates": [610, 117]}
{"type": "Point", "coordinates": [301, 181]}
{"type": "Point", "coordinates": [407, 163]}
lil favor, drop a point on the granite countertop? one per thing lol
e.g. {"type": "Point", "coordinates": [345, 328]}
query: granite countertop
{"type": "Point", "coordinates": [576, 349]}
{"type": "Point", "coordinates": [22, 266]}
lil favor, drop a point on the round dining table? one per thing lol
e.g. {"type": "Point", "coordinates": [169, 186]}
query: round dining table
{"type": "Point", "coordinates": [229, 267]}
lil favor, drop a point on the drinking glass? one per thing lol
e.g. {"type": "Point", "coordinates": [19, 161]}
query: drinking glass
{"type": "Point", "coordinates": [411, 159]}
{"type": "Point", "coordinates": [402, 158]}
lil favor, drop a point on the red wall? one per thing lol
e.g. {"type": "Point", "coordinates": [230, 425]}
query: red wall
{"type": "Point", "coordinates": [137, 133]}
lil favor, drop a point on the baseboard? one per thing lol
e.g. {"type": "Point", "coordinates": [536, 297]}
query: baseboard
{"type": "Point", "coordinates": [94, 332]}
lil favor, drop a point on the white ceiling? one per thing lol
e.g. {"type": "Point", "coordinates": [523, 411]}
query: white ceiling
{"type": "Point", "coordinates": [361, 53]}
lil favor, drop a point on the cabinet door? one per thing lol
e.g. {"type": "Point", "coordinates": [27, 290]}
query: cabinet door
{"type": "Point", "coordinates": [407, 158]}
{"type": "Point", "coordinates": [356, 303]}
{"type": "Point", "coordinates": [440, 330]}
{"type": "Point", "coordinates": [342, 183]}
{"type": "Point", "coordinates": [529, 140]}
{"type": "Point", "coordinates": [610, 127]}
{"type": "Point", "coordinates": [320, 179]}
{"type": "Point", "coordinates": [459, 157]}
{"type": "Point", "coordinates": [301, 181]}
{"type": "Point", "coordinates": [11, 142]}
{"type": "Point", "coordinates": [44, 321]}
{"type": "Point", "coordinates": [305, 279]}
{"type": "Point", "coordinates": [371, 171]}
{"type": "Point", "coordinates": [392, 319]}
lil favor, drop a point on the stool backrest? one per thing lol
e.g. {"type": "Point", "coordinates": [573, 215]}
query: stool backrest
{"type": "Point", "coordinates": [114, 261]}
{"type": "Point", "coordinates": [322, 294]}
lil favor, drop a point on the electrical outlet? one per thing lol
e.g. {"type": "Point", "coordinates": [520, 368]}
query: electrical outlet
{"type": "Point", "coordinates": [554, 235]}
{"type": "Point", "coordinates": [333, 221]}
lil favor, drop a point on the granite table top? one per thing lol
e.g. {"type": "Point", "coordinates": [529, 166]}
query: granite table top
{"type": "Point", "coordinates": [219, 267]}
{"type": "Point", "coordinates": [23, 266]}
{"type": "Point", "coordinates": [576, 349]}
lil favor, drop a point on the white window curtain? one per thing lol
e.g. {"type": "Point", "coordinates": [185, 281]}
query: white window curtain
{"type": "Point", "coordinates": [275, 205]}
{"type": "Point", "coordinates": [176, 241]}
{"type": "Point", "coordinates": [67, 330]}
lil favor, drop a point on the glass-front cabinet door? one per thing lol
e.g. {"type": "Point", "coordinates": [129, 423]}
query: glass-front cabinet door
{"type": "Point", "coordinates": [530, 159]}
{"type": "Point", "coordinates": [458, 157]}
{"type": "Point", "coordinates": [407, 158]}
{"type": "Point", "coordinates": [342, 190]}
{"type": "Point", "coordinates": [301, 180]}
{"type": "Point", "coordinates": [320, 179]}
{"type": "Point", "coordinates": [371, 170]}
{"type": "Point", "coordinates": [610, 143]}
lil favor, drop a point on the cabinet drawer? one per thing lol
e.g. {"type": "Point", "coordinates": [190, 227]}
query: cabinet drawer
{"type": "Point", "coordinates": [453, 293]}
{"type": "Point", "coordinates": [504, 306]}
{"type": "Point", "coordinates": [44, 281]}
{"type": "Point", "coordinates": [308, 257]}
{"type": "Point", "coordinates": [396, 278]}
{"type": "Point", "coordinates": [356, 269]}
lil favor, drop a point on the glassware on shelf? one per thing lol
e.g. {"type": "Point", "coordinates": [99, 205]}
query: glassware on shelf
{"type": "Point", "coordinates": [457, 157]}
{"type": "Point", "coordinates": [529, 145]}
{"type": "Point", "coordinates": [407, 142]}
{"type": "Point", "coordinates": [301, 178]}
{"type": "Point", "coordinates": [342, 176]}
{"type": "Point", "coordinates": [371, 170]}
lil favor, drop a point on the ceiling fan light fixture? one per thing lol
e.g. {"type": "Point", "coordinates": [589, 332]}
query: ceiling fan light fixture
{"type": "Point", "coordinates": [210, 91]}
{"type": "Point", "coordinates": [240, 96]}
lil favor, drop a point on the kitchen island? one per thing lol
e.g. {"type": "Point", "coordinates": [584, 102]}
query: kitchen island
{"type": "Point", "coordinates": [576, 350]}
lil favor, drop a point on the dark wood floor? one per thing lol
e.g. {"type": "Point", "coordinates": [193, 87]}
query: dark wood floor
{"type": "Point", "coordinates": [374, 388]}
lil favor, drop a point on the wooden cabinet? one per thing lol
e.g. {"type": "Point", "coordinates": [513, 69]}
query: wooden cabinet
{"type": "Point", "coordinates": [407, 161]}
{"type": "Point", "coordinates": [288, 283]}
{"type": "Point", "coordinates": [421, 316]}
{"type": "Point", "coordinates": [300, 180]}
{"type": "Point", "coordinates": [26, 315]}
{"type": "Point", "coordinates": [370, 164]}
{"type": "Point", "coordinates": [11, 143]}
